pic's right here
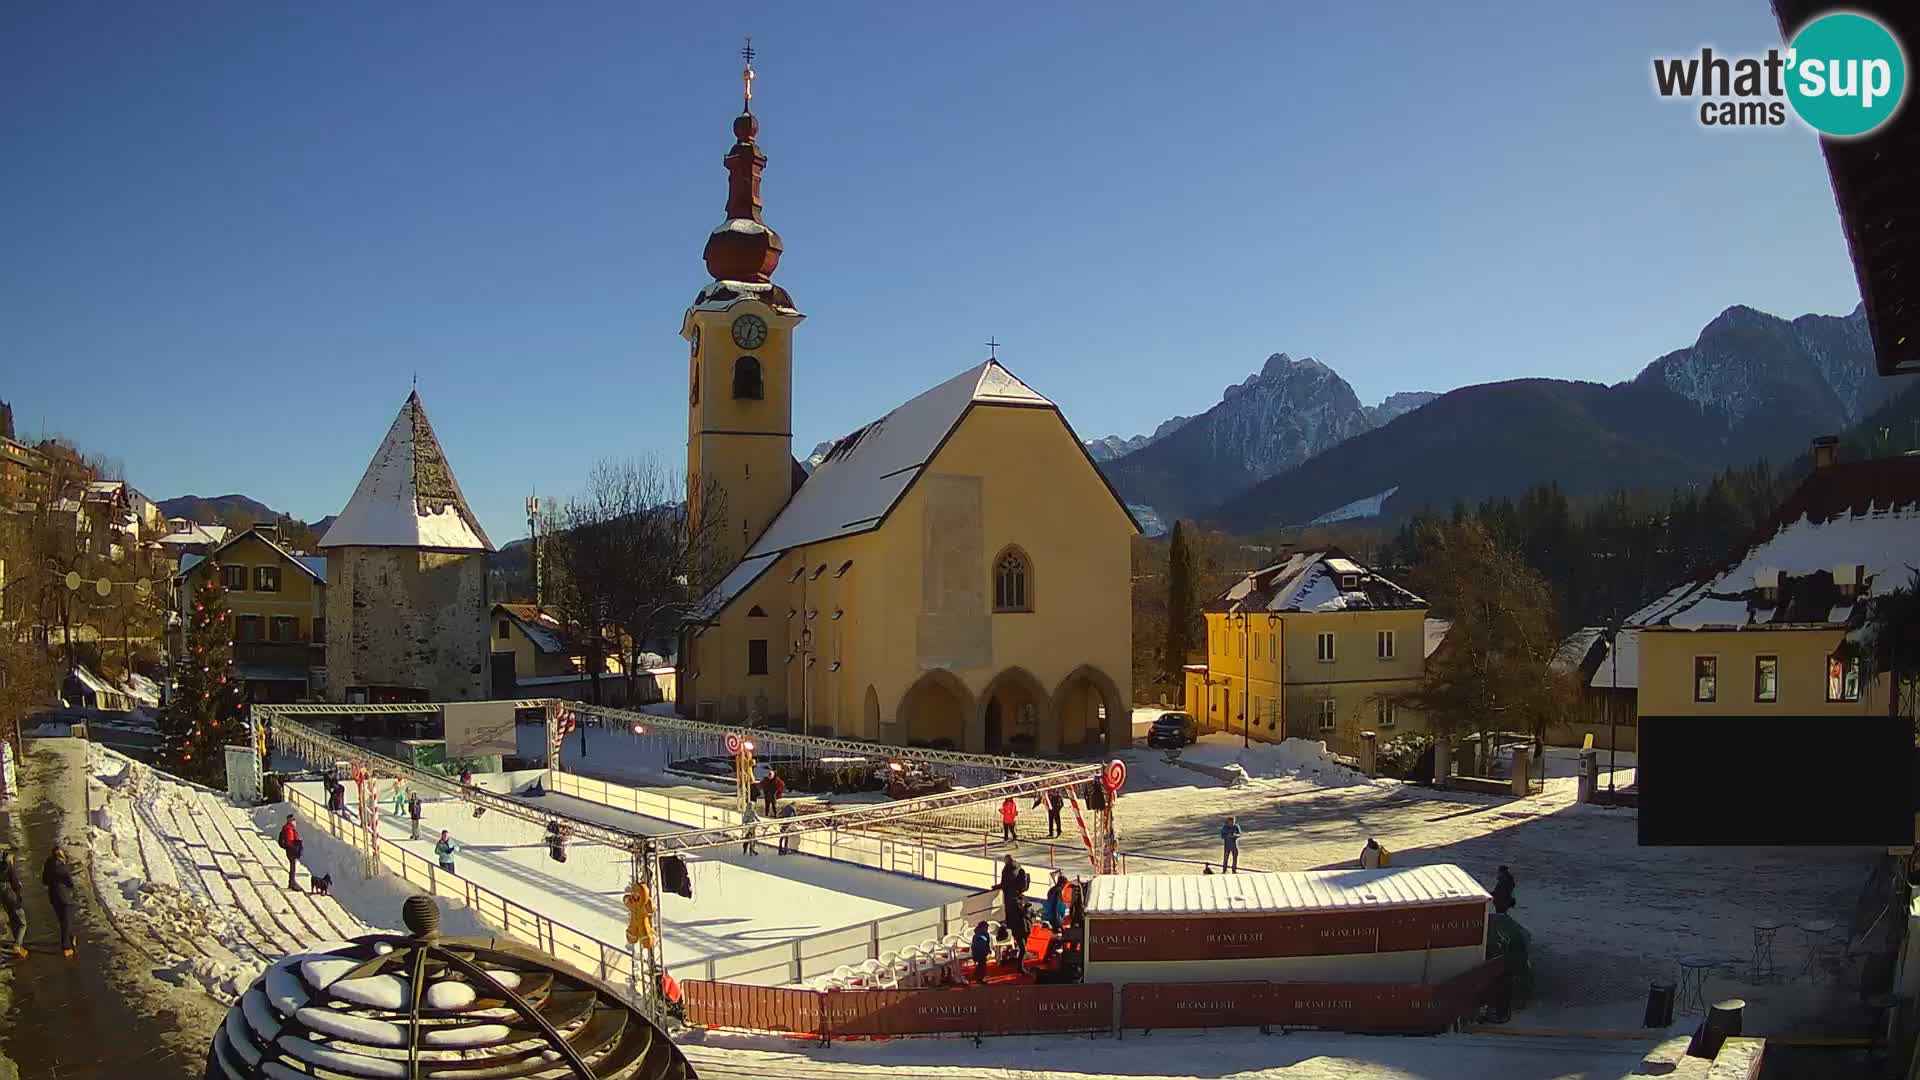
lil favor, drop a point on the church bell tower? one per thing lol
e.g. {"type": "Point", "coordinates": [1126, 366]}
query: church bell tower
{"type": "Point", "coordinates": [739, 334]}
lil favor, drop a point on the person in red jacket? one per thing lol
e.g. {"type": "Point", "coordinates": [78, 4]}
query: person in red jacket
{"type": "Point", "coordinates": [290, 843]}
{"type": "Point", "coordinates": [1008, 813]}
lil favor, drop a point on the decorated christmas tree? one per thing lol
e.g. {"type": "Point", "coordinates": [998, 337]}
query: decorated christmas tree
{"type": "Point", "coordinates": [202, 716]}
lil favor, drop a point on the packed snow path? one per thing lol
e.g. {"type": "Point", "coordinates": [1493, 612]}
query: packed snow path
{"type": "Point", "coordinates": [740, 901]}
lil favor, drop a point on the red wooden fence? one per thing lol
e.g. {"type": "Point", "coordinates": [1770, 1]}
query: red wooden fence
{"type": "Point", "coordinates": [1022, 1010]}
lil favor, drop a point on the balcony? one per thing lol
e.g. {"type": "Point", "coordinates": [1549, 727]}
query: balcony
{"type": "Point", "coordinates": [281, 655]}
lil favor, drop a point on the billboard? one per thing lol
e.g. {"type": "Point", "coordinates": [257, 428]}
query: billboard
{"type": "Point", "coordinates": [479, 728]}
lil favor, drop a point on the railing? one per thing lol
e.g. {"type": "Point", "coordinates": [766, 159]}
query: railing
{"type": "Point", "coordinates": [782, 963]}
{"type": "Point", "coordinates": [860, 849]}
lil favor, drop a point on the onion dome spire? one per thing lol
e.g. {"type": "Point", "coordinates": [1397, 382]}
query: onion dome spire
{"type": "Point", "coordinates": [742, 248]}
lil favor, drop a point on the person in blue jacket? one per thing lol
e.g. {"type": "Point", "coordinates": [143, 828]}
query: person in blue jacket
{"type": "Point", "coordinates": [982, 948]}
{"type": "Point", "coordinates": [1230, 845]}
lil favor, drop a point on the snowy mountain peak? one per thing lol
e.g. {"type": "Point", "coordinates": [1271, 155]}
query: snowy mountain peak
{"type": "Point", "coordinates": [1747, 365]}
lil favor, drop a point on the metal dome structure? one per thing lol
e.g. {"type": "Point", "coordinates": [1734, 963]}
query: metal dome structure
{"type": "Point", "coordinates": [393, 1007]}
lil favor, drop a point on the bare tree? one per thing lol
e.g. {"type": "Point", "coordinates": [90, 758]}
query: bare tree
{"type": "Point", "coordinates": [626, 561]}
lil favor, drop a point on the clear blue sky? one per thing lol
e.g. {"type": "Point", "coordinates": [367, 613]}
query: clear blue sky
{"type": "Point", "coordinates": [230, 232]}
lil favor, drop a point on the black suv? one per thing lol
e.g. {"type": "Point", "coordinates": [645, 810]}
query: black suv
{"type": "Point", "coordinates": [1174, 729]}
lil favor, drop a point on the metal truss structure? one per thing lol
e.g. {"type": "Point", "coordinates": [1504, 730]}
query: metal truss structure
{"type": "Point", "coordinates": [822, 743]}
{"type": "Point", "coordinates": [297, 738]}
{"type": "Point", "coordinates": [860, 817]}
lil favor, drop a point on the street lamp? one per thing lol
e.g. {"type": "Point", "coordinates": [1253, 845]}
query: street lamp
{"type": "Point", "coordinates": [1246, 670]}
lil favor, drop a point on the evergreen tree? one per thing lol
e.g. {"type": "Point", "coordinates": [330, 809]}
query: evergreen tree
{"type": "Point", "coordinates": [202, 716]}
{"type": "Point", "coordinates": [1180, 605]}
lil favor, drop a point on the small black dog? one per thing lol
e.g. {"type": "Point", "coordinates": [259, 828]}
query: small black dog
{"type": "Point", "coordinates": [323, 886]}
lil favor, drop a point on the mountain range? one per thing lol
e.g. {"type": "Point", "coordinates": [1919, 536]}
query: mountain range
{"type": "Point", "coordinates": [1293, 445]}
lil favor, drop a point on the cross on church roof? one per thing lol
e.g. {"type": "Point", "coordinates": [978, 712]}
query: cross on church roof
{"type": "Point", "coordinates": [993, 349]}
{"type": "Point", "coordinates": [746, 73]}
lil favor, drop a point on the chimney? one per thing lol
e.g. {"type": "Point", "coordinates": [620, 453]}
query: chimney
{"type": "Point", "coordinates": [1826, 449]}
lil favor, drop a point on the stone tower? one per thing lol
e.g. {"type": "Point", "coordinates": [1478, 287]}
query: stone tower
{"type": "Point", "coordinates": [740, 375]}
{"type": "Point", "coordinates": [407, 604]}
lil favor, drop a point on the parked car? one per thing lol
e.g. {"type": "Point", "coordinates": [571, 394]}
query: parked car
{"type": "Point", "coordinates": [1174, 729]}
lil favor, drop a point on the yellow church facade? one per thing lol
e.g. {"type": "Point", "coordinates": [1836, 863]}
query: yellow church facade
{"type": "Point", "coordinates": [952, 574]}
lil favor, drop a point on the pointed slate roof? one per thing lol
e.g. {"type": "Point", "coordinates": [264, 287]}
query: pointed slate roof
{"type": "Point", "coordinates": [408, 497]}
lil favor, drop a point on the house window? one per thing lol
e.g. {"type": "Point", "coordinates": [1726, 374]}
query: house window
{"type": "Point", "coordinates": [1349, 582]}
{"type": "Point", "coordinates": [1384, 714]}
{"type": "Point", "coordinates": [234, 578]}
{"type": "Point", "coordinates": [248, 628]}
{"type": "Point", "coordinates": [266, 579]}
{"type": "Point", "coordinates": [1012, 589]}
{"type": "Point", "coordinates": [320, 629]}
{"type": "Point", "coordinates": [1255, 710]}
{"type": "Point", "coordinates": [757, 656]}
{"type": "Point", "coordinates": [1843, 678]}
{"type": "Point", "coordinates": [1383, 644]}
{"type": "Point", "coordinates": [283, 628]}
{"type": "Point", "coordinates": [1766, 678]}
{"type": "Point", "coordinates": [1273, 649]}
{"type": "Point", "coordinates": [746, 379]}
{"type": "Point", "coordinates": [1326, 714]}
{"type": "Point", "coordinates": [1323, 647]}
{"type": "Point", "coordinates": [505, 631]}
{"type": "Point", "coordinates": [1705, 684]}
{"type": "Point", "coordinates": [1256, 646]}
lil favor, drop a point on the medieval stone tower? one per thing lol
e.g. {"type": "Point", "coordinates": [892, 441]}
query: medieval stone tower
{"type": "Point", "coordinates": [407, 603]}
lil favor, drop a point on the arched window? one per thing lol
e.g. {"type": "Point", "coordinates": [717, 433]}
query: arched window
{"type": "Point", "coordinates": [746, 378]}
{"type": "Point", "coordinates": [1012, 581]}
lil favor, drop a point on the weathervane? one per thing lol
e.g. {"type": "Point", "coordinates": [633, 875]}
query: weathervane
{"type": "Point", "coordinates": [746, 73]}
{"type": "Point", "coordinates": [993, 349]}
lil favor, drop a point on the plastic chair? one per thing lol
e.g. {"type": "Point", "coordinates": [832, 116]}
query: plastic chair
{"type": "Point", "coordinates": [844, 975]}
{"type": "Point", "coordinates": [868, 971]}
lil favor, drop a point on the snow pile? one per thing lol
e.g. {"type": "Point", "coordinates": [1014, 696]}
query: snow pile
{"type": "Point", "coordinates": [1294, 759]}
{"type": "Point", "coordinates": [171, 914]}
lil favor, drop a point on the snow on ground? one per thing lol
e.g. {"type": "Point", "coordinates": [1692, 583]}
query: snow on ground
{"type": "Point", "coordinates": [740, 901]}
{"type": "Point", "coordinates": [1607, 916]}
{"type": "Point", "coordinates": [1236, 1053]}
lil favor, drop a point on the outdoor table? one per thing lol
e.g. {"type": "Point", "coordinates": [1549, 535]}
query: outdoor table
{"type": "Point", "coordinates": [1693, 983]}
{"type": "Point", "coordinates": [1815, 932]}
{"type": "Point", "coordinates": [1764, 931]}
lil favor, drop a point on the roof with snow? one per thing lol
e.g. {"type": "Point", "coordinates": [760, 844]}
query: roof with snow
{"type": "Point", "coordinates": [1435, 634]}
{"type": "Point", "coordinates": [315, 565]}
{"type": "Point", "coordinates": [1316, 581]}
{"type": "Point", "coordinates": [408, 496]}
{"type": "Point", "coordinates": [1850, 532]}
{"type": "Point", "coordinates": [1304, 890]}
{"type": "Point", "coordinates": [541, 628]}
{"type": "Point", "coordinates": [195, 534]}
{"type": "Point", "coordinates": [865, 474]}
{"type": "Point", "coordinates": [1586, 653]}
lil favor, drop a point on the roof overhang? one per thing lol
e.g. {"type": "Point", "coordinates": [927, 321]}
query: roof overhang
{"type": "Point", "coordinates": [1873, 187]}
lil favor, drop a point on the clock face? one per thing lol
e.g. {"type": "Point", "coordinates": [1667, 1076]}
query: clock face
{"type": "Point", "coordinates": [749, 331]}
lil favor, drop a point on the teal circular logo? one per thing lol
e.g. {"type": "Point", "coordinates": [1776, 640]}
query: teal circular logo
{"type": "Point", "coordinates": [1846, 74]}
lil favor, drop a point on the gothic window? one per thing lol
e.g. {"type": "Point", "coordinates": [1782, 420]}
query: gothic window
{"type": "Point", "coordinates": [746, 379]}
{"type": "Point", "coordinates": [1012, 581]}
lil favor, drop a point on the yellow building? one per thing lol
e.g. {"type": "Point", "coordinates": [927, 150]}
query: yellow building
{"type": "Point", "coordinates": [1312, 648]}
{"type": "Point", "coordinates": [953, 573]}
{"type": "Point", "coordinates": [1760, 637]}
{"type": "Point", "coordinates": [278, 601]}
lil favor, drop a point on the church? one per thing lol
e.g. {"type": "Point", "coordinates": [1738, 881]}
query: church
{"type": "Point", "coordinates": [954, 574]}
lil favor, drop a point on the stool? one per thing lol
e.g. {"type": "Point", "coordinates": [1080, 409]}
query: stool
{"type": "Point", "coordinates": [1764, 931]}
{"type": "Point", "coordinates": [1693, 983]}
{"type": "Point", "coordinates": [1815, 932]}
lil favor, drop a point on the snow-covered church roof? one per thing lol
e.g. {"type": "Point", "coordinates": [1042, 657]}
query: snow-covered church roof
{"type": "Point", "coordinates": [866, 472]}
{"type": "Point", "coordinates": [408, 497]}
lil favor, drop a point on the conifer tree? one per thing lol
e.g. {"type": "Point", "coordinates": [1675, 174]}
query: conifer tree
{"type": "Point", "coordinates": [1180, 606]}
{"type": "Point", "coordinates": [202, 716]}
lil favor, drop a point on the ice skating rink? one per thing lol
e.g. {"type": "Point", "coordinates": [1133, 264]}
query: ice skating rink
{"type": "Point", "coordinates": [740, 901]}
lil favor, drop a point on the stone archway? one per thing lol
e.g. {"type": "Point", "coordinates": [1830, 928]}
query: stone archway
{"type": "Point", "coordinates": [936, 710]}
{"type": "Point", "coordinates": [1015, 715]}
{"type": "Point", "coordinates": [1077, 705]}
